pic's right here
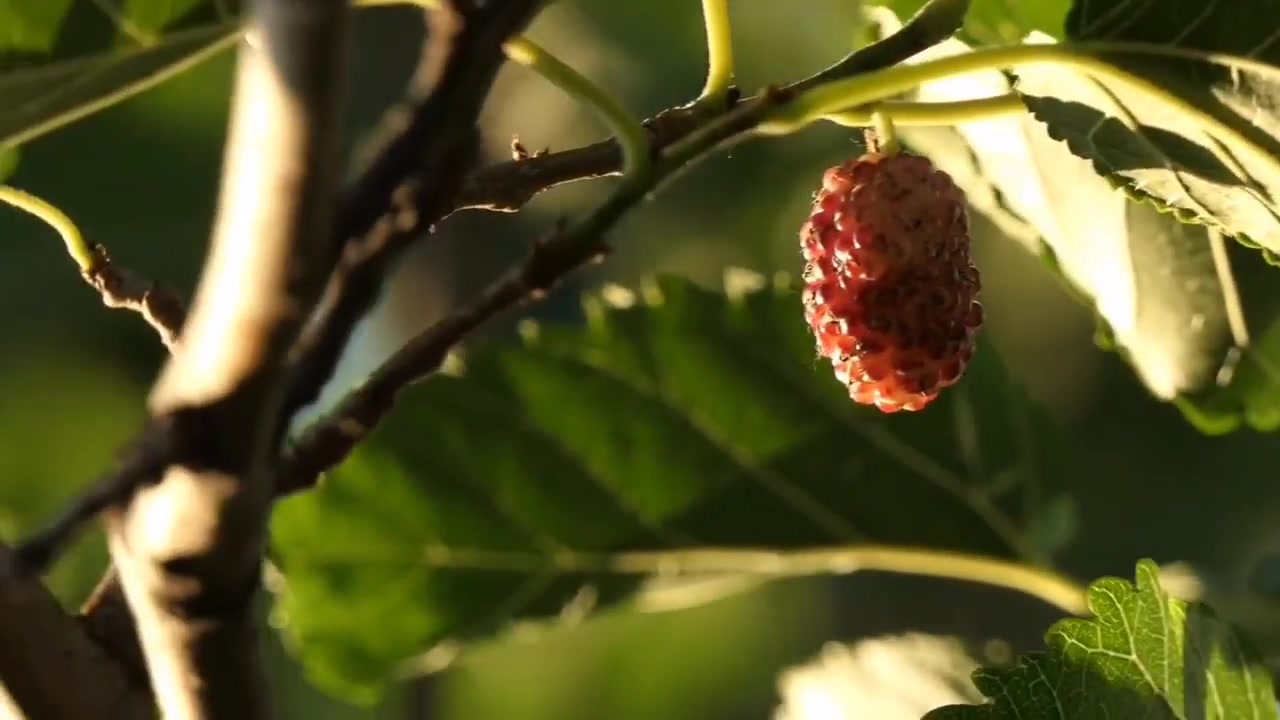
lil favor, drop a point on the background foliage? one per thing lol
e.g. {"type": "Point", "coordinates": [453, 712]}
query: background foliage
{"type": "Point", "coordinates": [1130, 476]}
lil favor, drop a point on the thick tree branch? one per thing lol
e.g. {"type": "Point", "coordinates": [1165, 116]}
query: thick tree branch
{"type": "Point", "coordinates": [188, 549]}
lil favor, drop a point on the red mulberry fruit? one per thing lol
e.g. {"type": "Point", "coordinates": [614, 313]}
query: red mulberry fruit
{"type": "Point", "coordinates": [891, 293]}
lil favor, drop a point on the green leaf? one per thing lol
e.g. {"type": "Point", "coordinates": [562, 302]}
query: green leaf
{"type": "Point", "coordinates": [1201, 136]}
{"type": "Point", "coordinates": [995, 22]}
{"type": "Point", "coordinates": [1154, 282]}
{"type": "Point", "coordinates": [1143, 655]}
{"type": "Point", "coordinates": [62, 59]}
{"type": "Point", "coordinates": [677, 419]}
{"type": "Point", "coordinates": [95, 404]}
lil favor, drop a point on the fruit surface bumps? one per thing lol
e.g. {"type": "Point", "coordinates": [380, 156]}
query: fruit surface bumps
{"type": "Point", "coordinates": [891, 292]}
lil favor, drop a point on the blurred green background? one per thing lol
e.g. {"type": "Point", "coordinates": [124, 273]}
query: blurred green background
{"type": "Point", "coordinates": [142, 178]}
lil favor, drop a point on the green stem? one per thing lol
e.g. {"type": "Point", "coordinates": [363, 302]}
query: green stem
{"type": "Point", "coordinates": [715, 16]}
{"type": "Point", "coordinates": [884, 135]}
{"type": "Point", "coordinates": [1055, 589]}
{"type": "Point", "coordinates": [874, 87]}
{"type": "Point", "coordinates": [626, 128]}
{"type": "Point", "coordinates": [1237, 321]}
{"type": "Point", "coordinates": [932, 114]}
{"type": "Point", "coordinates": [78, 248]}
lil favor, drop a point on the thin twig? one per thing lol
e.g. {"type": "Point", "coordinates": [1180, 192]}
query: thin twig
{"type": "Point", "coordinates": [508, 186]}
{"type": "Point", "coordinates": [119, 287]}
{"type": "Point", "coordinates": [159, 305]}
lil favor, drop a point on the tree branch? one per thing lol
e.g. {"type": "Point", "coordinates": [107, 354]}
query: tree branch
{"type": "Point", "coordinates": [188, 549]}
{"type": "Point", "coordinates": [508, 186]}
{"type": "Point", "coordinates": [368, 210]}
{"type": "Point", "coordinates": [51, 669]}
{"type": "Point", "coordinates": [413, 179]}
{"type": "Point", "coordinates": [119, 287]}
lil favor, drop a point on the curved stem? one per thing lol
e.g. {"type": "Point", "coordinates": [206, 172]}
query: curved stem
{"type": "Point", "coordinates": [1049, 586]}
{"type": "Point", "coordinates": [1052, 588]}
{"type": "Point", "coordinates": [715, 16]}
{"type": "Point", "coordinates": [627, 129]}
{"type": "Point", "coordinates": [860, 90]}
{"type": "Point", "coordinates": [78, 248]}
{"type": "Point", "coordinates": [932, 114]}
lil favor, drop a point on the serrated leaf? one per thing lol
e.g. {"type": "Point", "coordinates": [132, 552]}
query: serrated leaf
{"type": "Point", "coordinates": [676, 420]}
{"type": "Point", "coordinates": [1154, 282]}
{"type": "Point", "coordinates": [1144, 654]}
{"type": "Point", "coordinates": [63, 59]}
{"type": "Point", "coordinates": [1200, 134]}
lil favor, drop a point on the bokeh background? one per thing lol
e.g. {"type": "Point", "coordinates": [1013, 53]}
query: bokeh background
{"type": "Point", "coordinates": [141, 177]}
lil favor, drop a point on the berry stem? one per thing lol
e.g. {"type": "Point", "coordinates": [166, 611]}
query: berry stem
{"type": "Point", "coordinates": [627, 129]}
{"type": "Point", "coordinates": [932, 114]}
{"type": "Point", "coordinates": [882, 135]}
{"type": "Point", "coordinates": [77, 247]}
{"type": "Point", "coordinates": [715, 16]}
{"type": "Point", "coordinates": [1083, 57]}
{"type": "Point", "coordinates": [1234, 306]}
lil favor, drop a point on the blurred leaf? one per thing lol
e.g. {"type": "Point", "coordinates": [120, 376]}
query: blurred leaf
{"type": "Point", "coordinates": [1203, 139]}
{"type": "Point", "coordinates": [1144, 655]}
{"type": "Point", "coordinates": [55, 401]}
{"type": "Point", "coordinates": [894, 677]}
{"type": "Point", "coordinates": [1054, 526]}
{"type": "Point", "coordinates": [1153, 281]}
{"type": "Point", "coordinates": [676, 419]}
{"type": "Point", "coordinates": [63, 59]}
{"type": "Point", "coordinates": [993, 22]}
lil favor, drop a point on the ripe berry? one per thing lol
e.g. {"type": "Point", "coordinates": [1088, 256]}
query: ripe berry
{"type": "Point", "coordinates": [891, 293]}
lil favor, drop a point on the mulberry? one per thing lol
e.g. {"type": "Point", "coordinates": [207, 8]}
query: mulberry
{"type": "Point", "coordinates": [891, 292]}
